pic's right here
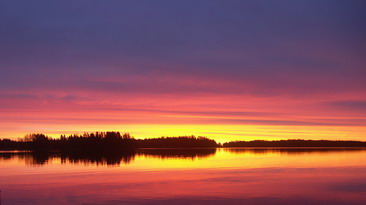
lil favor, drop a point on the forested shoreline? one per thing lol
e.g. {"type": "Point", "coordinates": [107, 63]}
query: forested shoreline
{"type": "Point", "coordinates": [110, 142]}
{"type": "Point", "coordinates": [102, 142]}
{"type": "Point", "coordinates": [295, 143]}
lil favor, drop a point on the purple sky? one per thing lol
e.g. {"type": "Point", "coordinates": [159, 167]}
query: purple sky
{"type": "Point", "coordinates": [203, 58]}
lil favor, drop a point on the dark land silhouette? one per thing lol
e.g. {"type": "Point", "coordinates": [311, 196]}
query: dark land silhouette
{"type": "Point", "coordinates": [295, 143]}
{"type": "Point", "coordinates": [101, 142]}
{"type": "Point", "coordinates": [176, 142]}
{"type": "Point", "coordinates": [114, 143]}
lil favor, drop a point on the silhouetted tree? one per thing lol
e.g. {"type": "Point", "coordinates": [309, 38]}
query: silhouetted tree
{"type": "Point", "coordinates": [177, 142]}
{"type": "Point", "coordinates": [37, 141]}
{"type": "Point", "coordinates": [295, 143]}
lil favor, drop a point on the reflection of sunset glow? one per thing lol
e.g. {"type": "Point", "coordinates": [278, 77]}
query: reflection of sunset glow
{"type": "Point", "coordinates": [231, 173]}
{"type": "Point", "coordinates": [221, 133]}
{"type": "Point", "coordinates": [223, 158]}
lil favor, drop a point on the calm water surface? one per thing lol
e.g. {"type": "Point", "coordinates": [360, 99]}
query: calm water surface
{"type": "Point", "coordinates": [168, 176]}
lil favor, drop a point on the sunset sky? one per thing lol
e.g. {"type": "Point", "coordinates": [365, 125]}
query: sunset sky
{"type": "Point", "coordinates": [229, 70]}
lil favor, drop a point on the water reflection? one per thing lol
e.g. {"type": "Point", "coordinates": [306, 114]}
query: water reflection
{"type": "Point", "coordinates": [42, 158]}
{"type": "Point", "coordinates": [178, 153]}
{"type": "Point", "coordinates": [294, 150]}
{"type": "Point", "coordinates": [187, 176]}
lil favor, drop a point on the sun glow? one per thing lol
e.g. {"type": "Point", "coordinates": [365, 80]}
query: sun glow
{"type": "Point", "coordinates": [220, 133]}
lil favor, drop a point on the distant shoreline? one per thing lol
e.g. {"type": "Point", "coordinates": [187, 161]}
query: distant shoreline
{"type": "Point", "coordinates": [111, 142]}
{"type": "Point", "coordinates": [295, 143]}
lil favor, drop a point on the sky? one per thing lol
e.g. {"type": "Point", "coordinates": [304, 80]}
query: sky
{"type": "Point", "coordinates": [229, 70]}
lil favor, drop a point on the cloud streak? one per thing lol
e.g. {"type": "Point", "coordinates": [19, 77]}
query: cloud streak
{"type": "Point", "coordinates": [266, 63]}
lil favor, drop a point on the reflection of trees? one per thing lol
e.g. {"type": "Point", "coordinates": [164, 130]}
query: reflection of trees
{"type": "Point", "coordinates": [41, 158]}
{"type": "Point", "coordinates": [118, 158]}
{"type": "Point", "coordinates": [105, 158]}
{"type": "Point", "coordinates": [291, 151]}
{"type": "Point", "coordinates": [29, 158]}
{"type": "Point", "coordinates": [178, 153]}
{"type": "Point", "coordinates": [98, 159]}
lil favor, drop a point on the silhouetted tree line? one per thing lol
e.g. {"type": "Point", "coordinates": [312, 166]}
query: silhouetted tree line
{"type": "Point", "coordinates": [176, 142]}
{"type": "Point", "coordinates": [7, 144]}
{"type": "Point", "coordinates": [114, 142]}
{"type": "Point", "coordinates": [101, 142]}
{"type": "Point", "coordinates": [295, 143]}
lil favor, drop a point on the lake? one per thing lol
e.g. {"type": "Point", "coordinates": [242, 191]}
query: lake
{"type": "Point", "coordinates": [187, 176]}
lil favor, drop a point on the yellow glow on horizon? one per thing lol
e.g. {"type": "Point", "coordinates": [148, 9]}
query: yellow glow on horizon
{"type": "Point", "coordinates": [224, 158]}
{"type": "Point", "coordinates": [221, 133]}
